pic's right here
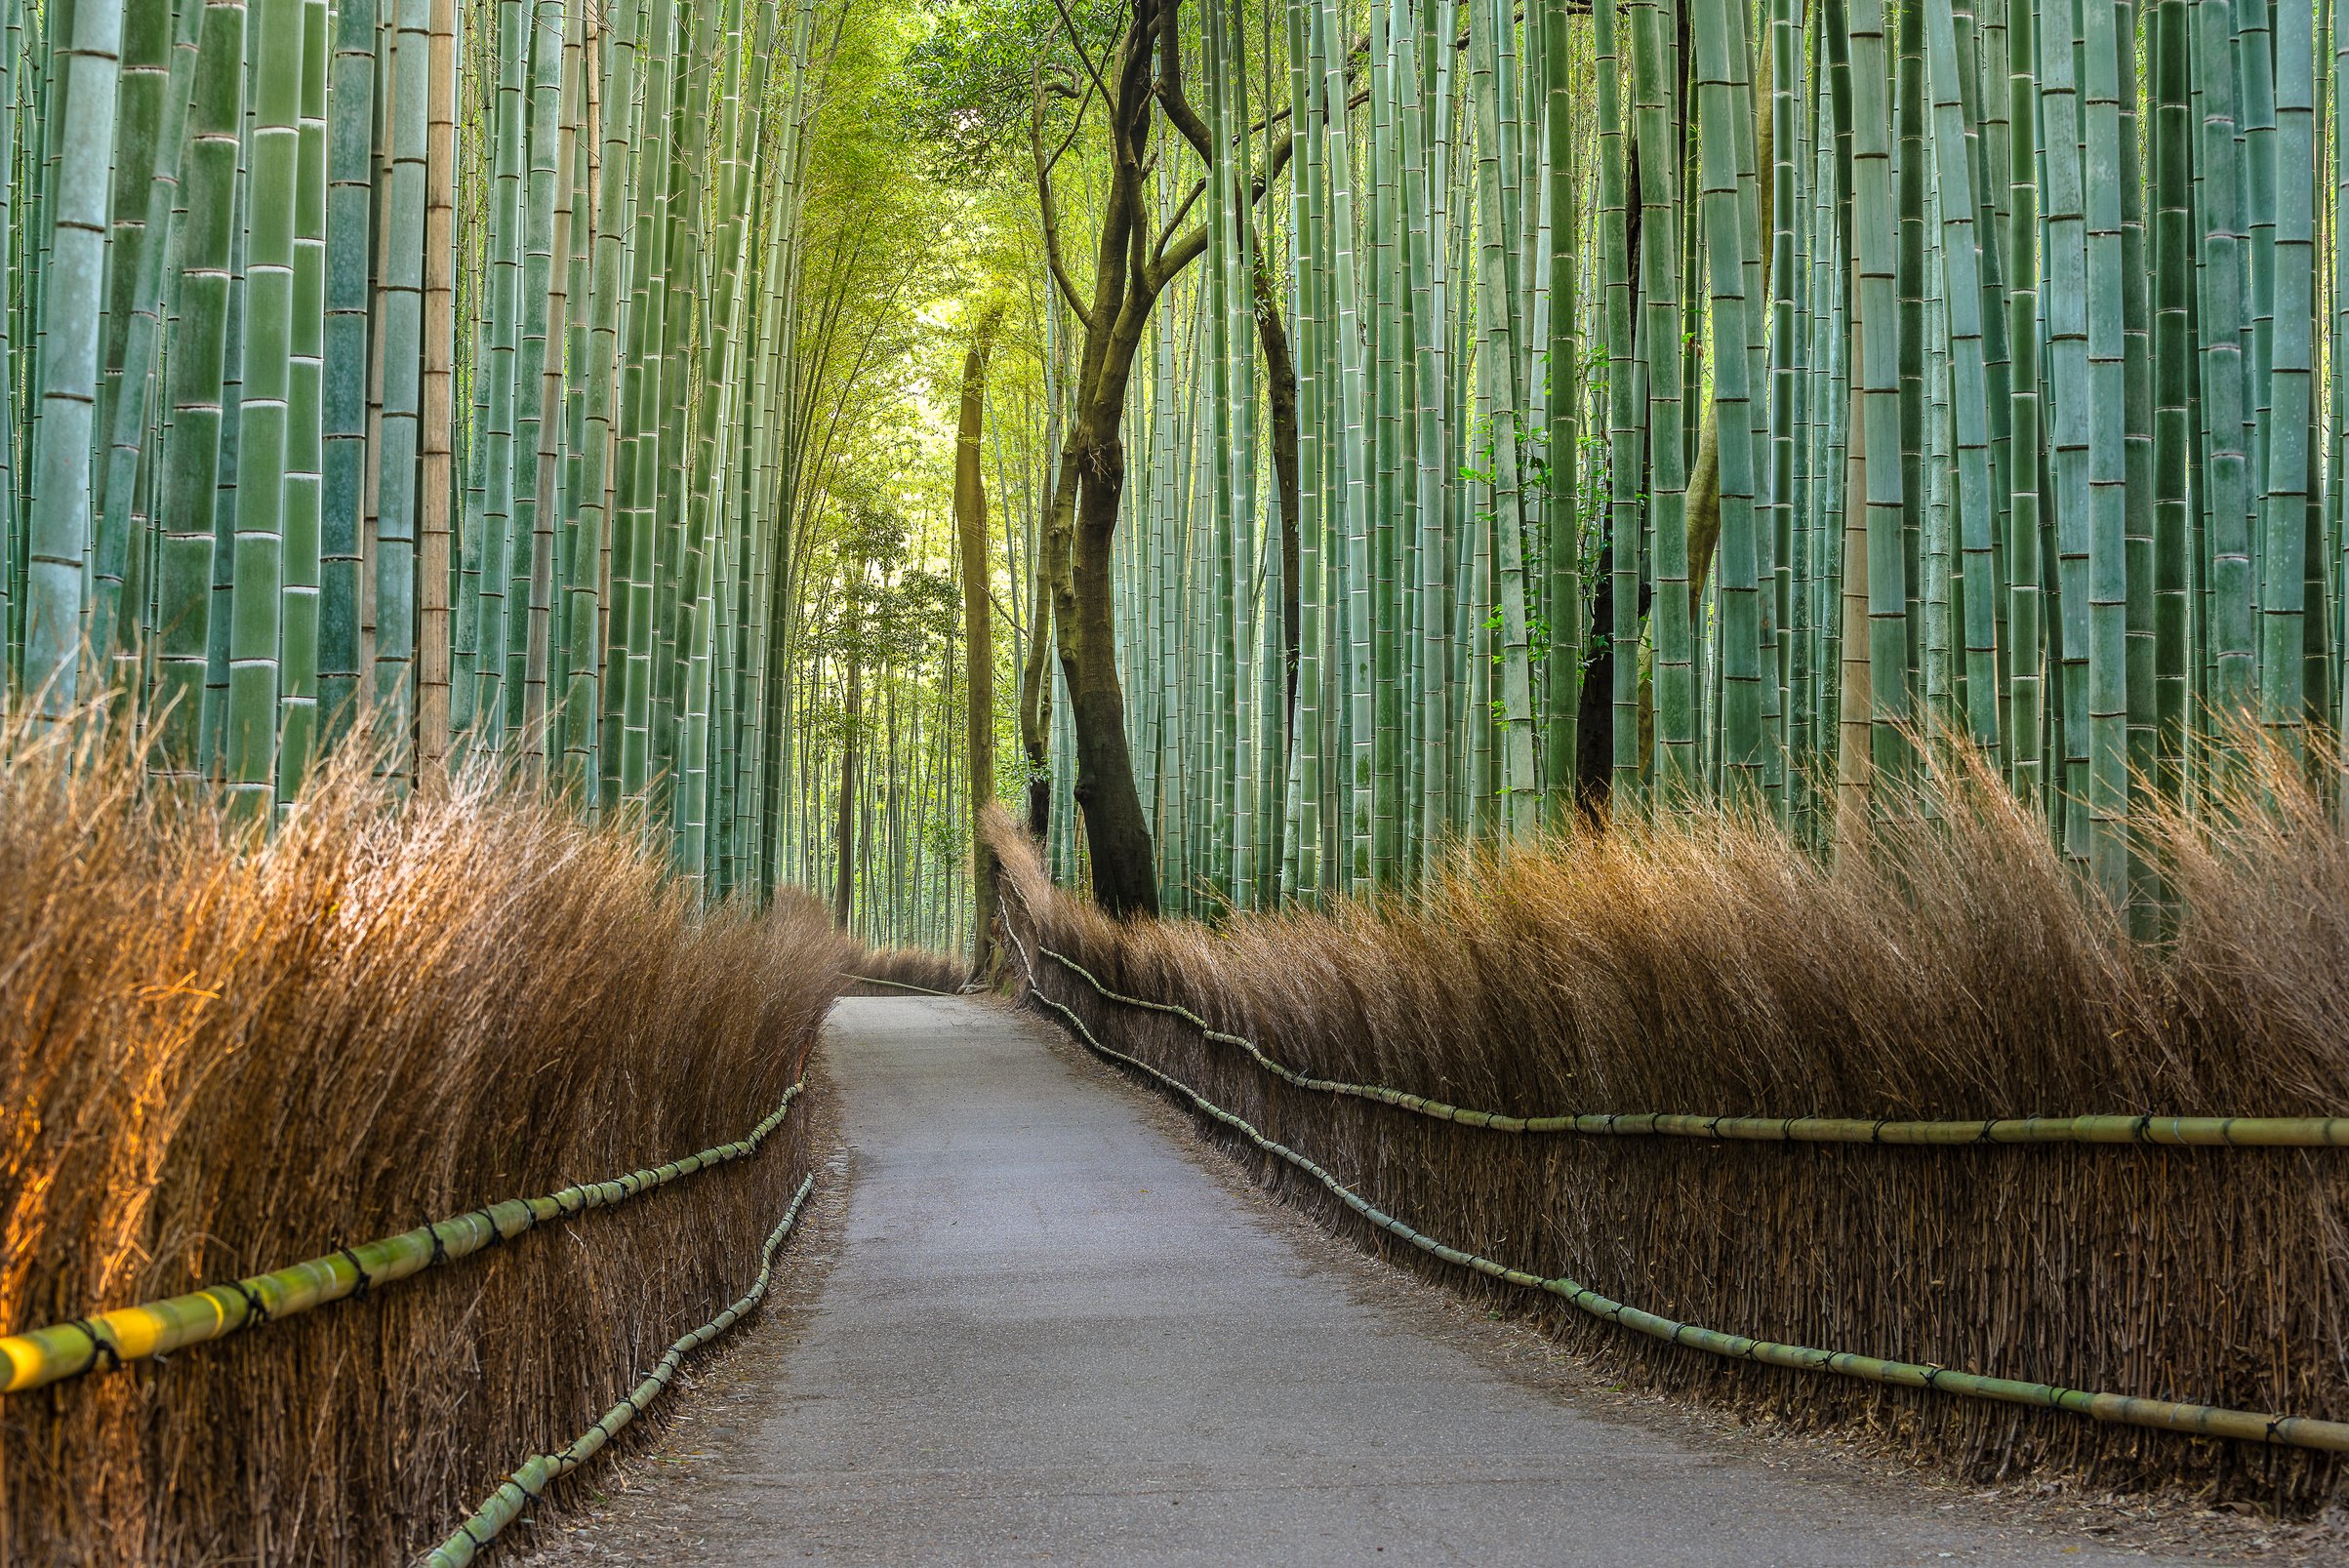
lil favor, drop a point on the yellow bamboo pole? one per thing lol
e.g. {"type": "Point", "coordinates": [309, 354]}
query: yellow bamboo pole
{"type": "Point", "coordinates": [68, 1349]}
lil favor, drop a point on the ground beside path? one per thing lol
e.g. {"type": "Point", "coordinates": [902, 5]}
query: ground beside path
{"type": "Point", "coordinates": [1035, 1321]}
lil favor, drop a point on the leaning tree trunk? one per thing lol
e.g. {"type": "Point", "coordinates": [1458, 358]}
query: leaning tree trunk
{"type": "Point", "coordinates": [1036, 672]}
{"type": "Point", "coordinates": [1280, 372]}
{"type": "Point", "coordinates": [1130, 272]}
{"type": "Point", "coordinates": [1083, 519]}
{"type": "Point", "coordinates": [1118, 841]}
{"type": "Point", "coordinates": [977, 637]}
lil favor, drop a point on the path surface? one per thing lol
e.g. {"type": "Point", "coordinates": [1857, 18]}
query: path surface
{"type": "Point", "coordinates": [1053, 1333]}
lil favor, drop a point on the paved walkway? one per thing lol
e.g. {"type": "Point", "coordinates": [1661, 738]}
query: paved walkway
{"type": "Point", "coordinates": [1052, 1333]}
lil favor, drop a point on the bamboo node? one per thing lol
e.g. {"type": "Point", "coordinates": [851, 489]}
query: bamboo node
{"type": "Point", "coordinates": [257, 1309]}
{"type": "Point", "coordinates": [99, 1345]}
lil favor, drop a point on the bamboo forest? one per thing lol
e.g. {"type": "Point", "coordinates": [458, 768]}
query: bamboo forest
{"type": "Point", "coordinates": [1746, 571]}
{"type": "Point", "coordinates": [1400, 427]}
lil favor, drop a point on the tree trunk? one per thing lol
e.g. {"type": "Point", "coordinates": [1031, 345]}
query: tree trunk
{"type": "Point", "coordinates": [843, 903]}
{"type": "Point", "coordinates": [1117, 840]}
{"type": "Point", "coordinates": [1281, 371]}
{"type": "Point", "coordinates": [977, 637]}
{"type": "Point", "coordinates": [1595, 718]}
{"type": "Point", "coordinates": [1035, 675]}
{"type": "Point", "coordinates": [1130, 271]}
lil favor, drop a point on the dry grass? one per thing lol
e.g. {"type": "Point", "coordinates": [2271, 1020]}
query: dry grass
{"type": "Point", "coordinates": [1709, 967]}
{"type": "Point", "coordinates": [925, 967]}
{"type": "Point", "coordinates": [219, 1056]}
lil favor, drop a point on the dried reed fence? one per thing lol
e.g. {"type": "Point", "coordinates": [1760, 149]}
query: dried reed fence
{"type": "Point", "coordinates": [904, 972]}
{"type": "Point", "coordinates": [1707, 967]}
{"type": "Point", "coordinates": [219, 1056]}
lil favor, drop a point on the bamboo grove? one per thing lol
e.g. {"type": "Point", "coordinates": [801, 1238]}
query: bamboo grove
{"type": "Point", "coordinates": [1637, 405]}
{"type": "Point", "coordinates": [1501, 410]}
{"type": "Point", "coordinates": [423, 371]}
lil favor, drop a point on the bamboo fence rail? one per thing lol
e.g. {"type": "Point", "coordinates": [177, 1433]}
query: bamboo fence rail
{"type": "Point", "coordinates": [68, 1349]}
{"type": "Point", "coordinates": [2182, 1132]}
{"type": "Point", "coordinates": [901, 985]}
{"type": "Point", "coordinates": [529, 1483]}
{"type": "Point", "coordinates": [2206, 1420]}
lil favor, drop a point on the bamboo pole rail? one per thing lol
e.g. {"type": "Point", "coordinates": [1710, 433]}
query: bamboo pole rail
{"type": "Point", "coordinates": [2184, 1132]}
{"type": "Point", "coordinates": [42, 1356]}
{"type": "Point", "coordinates": [901, 985]}
{"type": "Point", "coordinates": [527, 1484]}
{"type": "Point", "coordinates": [2202, 1421]}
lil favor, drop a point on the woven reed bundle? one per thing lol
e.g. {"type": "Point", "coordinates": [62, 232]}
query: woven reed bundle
{"type": "Point", "coordinates": [903, 972]}
{"type": "Point", "coordinates": [216, 1058]}
{"type": "Point", "coordinates": [1703, 969]}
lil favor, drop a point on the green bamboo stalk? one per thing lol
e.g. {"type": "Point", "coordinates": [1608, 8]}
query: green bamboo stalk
{"type": "Point", "coordinates": [147, 137]}
{"type": "Point", "coordinates": [1788, 523]}
{"type": "Point", "coordinates": [1727, 101]}
{"type": "Point", "coordinates": [501, 379]}
{"type": "Point", "coordinates": [1876, 385]}
{"type": "Point", "coordinates": [2137, 571]}
{"type": "Point", "coordinates": [2282, 541]}
{"type": "Point", "coordinates": [1970, 400]}
{"type": "Point", "coordinates": [2232, 655]}
{"type": "Point", "coordinates": [2107, 496]}
{"type": "Point", "coordinates": [351, 110]}
{"type": "Point", "coordinates": [304, 480]}
{"type": "Point", "coordinates": [634, 545]}
{"type": "Point", "coordinates": [199, 347]}
{"type": "Point", "coordinates": [2173, 369]}
{"type": "Point", "coordinates": [1308, 274]}
{"type": "Point", "coordinates": [1625, 397]}
{"type": "Point", "coordinates": [590, 751]}
{"type": "Point", "coordinates": [58, 528]}
{"type": "Point", "coordinates": [1391, 526]}
{"type": "Point", "coordinates": [1427, 156]}
{"type": "Point", "coordinates": [13, 292]}
{"type": "Point", "coordinates": [249, 742]}
{"type": "Point", "coordinates": [1914, 339]}
{"type": "Point", "coordinates": [555, 110]}
{"type": "Point", "coordinates": [2025, 614]}
{"type": "Point", "coordinates": [1655, 69]}
{"type": "Point", "coordinates": [1520, 805]}
{"type": "Point", "coordinates": [1353, 466]}
{"type": "Point", "coordinates": [397, 452]}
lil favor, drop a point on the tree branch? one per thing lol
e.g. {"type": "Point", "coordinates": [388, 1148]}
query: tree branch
{"type": "Point", "coordinates": [1048, 209]}
{"type": "Point", "coordinates": [1171, 97]}
{"type": "Point", "coordinates": [1076, 43]}
{"type": "Point", "coordinates": [1197, 189]}
{"type": "Point", "coordinates": [1189, 248]}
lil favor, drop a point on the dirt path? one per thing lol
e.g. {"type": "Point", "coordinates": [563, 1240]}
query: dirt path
{"type": "Point", "coordinates": [1039, 1323]}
